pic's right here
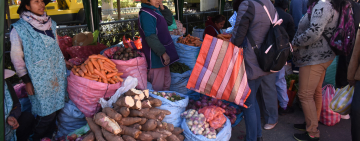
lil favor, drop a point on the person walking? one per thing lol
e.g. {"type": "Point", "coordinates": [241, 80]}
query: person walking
{"type": "Point", "coordinates": [313, 55]}
{"type": "Point", "coordinates": [253, 22]}
{"type": "Point", "coordinates": [353, 76]}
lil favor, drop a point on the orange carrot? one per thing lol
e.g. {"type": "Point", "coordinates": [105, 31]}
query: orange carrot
{"type": "Point", "coordinates": [81, 73]}
{"type": "Point", "coordinates": [87, 68]}
{"type": "Point", "coordinates": [101, 75]}
{"type": "Point", "coordinates": [100, 64]}
{"type": "Point", "coordinates": [73, 70]}
{"type": "Point", "coordinates": [96, 65]}
{"type": "Point", "coordinates": [91, 67]}
{"type": "Point", "coordinates": [77, 74]}
{"type": "Point", "coordinates": [108, 69]}
{"type": "Point", "coordinates": [111, 81]}
{"type": "Point", "coordinates": [111, 65]}
{"type": "Point", "coordinates": [83, 68]}
{"type": "Point", "coordinates": [77, 69]}
{"type": "Point", "coordinates": [119, 73]}
{"type": "Point", "coordinates": [111, 75]}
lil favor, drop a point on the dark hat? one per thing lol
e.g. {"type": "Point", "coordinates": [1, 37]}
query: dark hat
{"type": "Point", "coordinates": [22, 7]}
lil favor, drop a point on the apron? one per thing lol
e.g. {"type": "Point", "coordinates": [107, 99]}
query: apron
{"type": "Point", "coordinates": [46, 68]}
{"type": "Point", "coordinates": [10, 134]}
{"type": "Point", "coordinates": [164, 37]}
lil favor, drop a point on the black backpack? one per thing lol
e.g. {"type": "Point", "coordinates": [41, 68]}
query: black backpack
{"type": "Point", "coordinates": [275, 50]}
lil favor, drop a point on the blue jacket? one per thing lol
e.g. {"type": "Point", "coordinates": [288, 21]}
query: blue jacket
{"type": "Point", "coordinates": [298, 9]}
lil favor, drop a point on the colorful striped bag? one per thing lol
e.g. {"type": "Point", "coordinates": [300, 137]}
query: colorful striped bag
{"type": "Point", "coordinates": [341, 102]}
{"type": "Point", "coordinates": [327, 116]}
{"type": "Point", "coordinates": [219, 72]}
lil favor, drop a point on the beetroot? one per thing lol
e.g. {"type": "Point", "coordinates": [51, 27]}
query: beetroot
{"type": "Point", "coordinates": [198, 104]}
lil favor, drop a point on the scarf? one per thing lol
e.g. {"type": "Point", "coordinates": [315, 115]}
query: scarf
{"type": "Point", "coordinates": [42, 22]}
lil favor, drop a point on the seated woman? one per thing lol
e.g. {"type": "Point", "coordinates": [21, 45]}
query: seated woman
{"type": "Point", "coordinates": [214, 25]}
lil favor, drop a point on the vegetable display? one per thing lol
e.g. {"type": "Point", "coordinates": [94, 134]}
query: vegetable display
{"type": "Point", "coordinates": [178, 67]}
{"type": "Point", "coordinates": [125, 54]}
{"type": "Point", "coordinates": [204, 101]}
{"type": "Point", "coordinates": [169, 96]}
{"type": "Point", "coordinates": [98, 68]}
{"type": "Point", "coordinates": [198, 125]}
{"type": "Point", "coordinates": [190, 41]}
{"type": "Point", "coordinates": [133, 118]}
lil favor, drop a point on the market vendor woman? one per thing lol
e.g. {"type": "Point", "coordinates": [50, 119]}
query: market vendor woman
{"type": "Point", "coordinates": [157, 43]}
{"type": "Point", "coordinates": [38, 61]}
{"type": "Point", "coordinates": [214, 25]}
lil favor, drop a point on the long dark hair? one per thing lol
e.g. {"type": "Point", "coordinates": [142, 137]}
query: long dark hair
{"type": "Point", "coordinates": [22, 7]}
{"type": "Point", "coordinates": [218, 19]}
{"type": "Point", "coordinates": [336, 4]}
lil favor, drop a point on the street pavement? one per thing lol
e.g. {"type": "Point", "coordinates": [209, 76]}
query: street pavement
{"type": "Point", "coordinates": [284, 129]}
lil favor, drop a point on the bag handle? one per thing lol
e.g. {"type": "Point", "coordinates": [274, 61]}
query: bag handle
{"type": "Point", "coordinates": [273, 21]}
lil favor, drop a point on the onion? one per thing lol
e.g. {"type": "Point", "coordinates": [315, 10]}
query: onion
{"type": "Point", "coordinates": [214, 101]}
{"type": "Point", "coordinates": [204, 101]}
{"type": "Point", "coordinates": [204, 104]}
{"type": "Point", "coordinates": [219, 103]}
{"type": "Point", "coordinates": [191, 101]}
{"type": "Point", "coordinates": [227, 112]}
{"type": "Point", "coordinates": [223, 106]}
{"type": "Point", "coordinates": [233, 120]}
{"type": "Point", "coordinates": [204, 97]}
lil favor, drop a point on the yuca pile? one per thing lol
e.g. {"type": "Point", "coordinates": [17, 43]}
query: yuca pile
{"type": "Point", "coordinates": [190, 41]}
{"type": "Point", "coordinates": [98, 68]}
{"type": "Point", "coordinates": [133, 118]}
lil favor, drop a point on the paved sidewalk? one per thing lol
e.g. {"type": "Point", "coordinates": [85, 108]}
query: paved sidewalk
{"type": "Point", "coordinates": [284, 129]}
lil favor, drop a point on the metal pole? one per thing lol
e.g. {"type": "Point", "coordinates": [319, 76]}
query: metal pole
{"type": "Point", "coordinates": [178, 13]}
{"type": "Point", "coordinates": [220, 6]}
{"type": "Point", "coordinates": [119, 9]}
{"type": "Point", "coordinates": [8, 15]}
{"type": "Point", "coordinates": [92, 17]}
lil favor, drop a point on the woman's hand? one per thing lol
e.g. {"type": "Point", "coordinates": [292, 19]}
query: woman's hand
{"type": "Point", "coordinates": [13, 122]}
{"type": "Point", "coordinates": [29, 88]}
{"type": "Point", "coordinates": [161, 6]}
{"type": "Point", "coordinates": [352, 82]}
{"type": "Point", "coordinates": [166, 58]}
{"type": "Point", "coordinates": [69, 65]}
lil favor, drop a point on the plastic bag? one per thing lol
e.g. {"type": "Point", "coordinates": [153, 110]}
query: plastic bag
{"type": "Point", "coordinates": [173, 26]}
{"type": "Point", "coordinates": [20, 90]}
{"type": "Point", "coordinates": [69, 119]}
{"type": "Point", "coordinates": [129, 83]}
{"type": "Point", "coordinates": [327, 116]}
{"type": "Point", "coordinates": [218, 121]}
{"type": "Point", "coordinates": [179, 82]}
{"type": "Point", "coordinates": [176, 108]}
{"type": "Point", "coordinates": [198, 33]}
{"type": "Point", "coordinates": [77, 61]}
{"type": "Point", "coordinates": [81, 131]}
{"type": "Point", "coordinates": [136, 67]}
{"type": "Point", "coordinates": [187, 54]}
{"type": "Point", "coordinates": [210, 112]}
{"type": "Point", "coordinates": [341, 102]}
{"type": "Point", "coordinates": [223, 135]}
{"type": "Point", "coordinates": [64, 43]}
{"type": "Point", "coordinates": [83, 52]}
{"type": "Point", "coordinates": [86, 93]}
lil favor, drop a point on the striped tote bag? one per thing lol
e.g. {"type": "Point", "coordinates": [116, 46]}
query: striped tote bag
{"type": "Point", "coordinates": [341, 102]}
{"type": "Point", "coordinates": [219, 72]}
{"type": "Point", "coordinates": [328, 116]}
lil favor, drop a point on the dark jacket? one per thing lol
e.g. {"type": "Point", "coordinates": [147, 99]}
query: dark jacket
{"type": "Point", "coordinates": [288, 22]}
{"type": "Point", "coordinates": [252, 20]}
{"type": "Point", "coordinates": [210, 28]}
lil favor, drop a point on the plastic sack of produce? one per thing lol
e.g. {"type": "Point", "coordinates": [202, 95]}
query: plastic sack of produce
{"type": "Point", "coordinates": [327, 116]}
{"type": "Point", "coordinates": [83, 52]}
{"type": "Point", "coordinates": [211, 112]}
{"type": "Point", "coordinates": [176, 108]}
{"type": "Point", "coordinates": [69, 119]}
{"type": "Point", "coordinates": [86, 93]}
{"type": "Point", "coordinates": [179, 82]}
{"type": "Point", "coordinates": [187, 54]}
{"type": "Point", "coordinates": [223, 135]}
{"type": "Point", "coordinates": [341, 102]}
{"type": "Point", "coordinates": [219, 72]}
{"type": "Point", "coordinates": [64, 43]}
{"type": "Point", "coordinates": [198, 32]}
{"type": "Point", "coordinates": [135, 67]}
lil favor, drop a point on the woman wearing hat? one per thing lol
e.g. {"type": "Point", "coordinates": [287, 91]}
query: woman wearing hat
{"type": "Point", "coordinates": [39, 62]}
{"type": "Point", "coordinates": [157, 43]}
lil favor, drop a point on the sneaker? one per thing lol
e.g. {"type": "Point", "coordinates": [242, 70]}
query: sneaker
{"type": "Point", "coordinates": [305, 137]}
{"type": "Point", "coordinates": [269, 126]}
{"type": "Point", "coordinates": [288, 110]}
{"type": "Point", "coordinates": [301, 127]}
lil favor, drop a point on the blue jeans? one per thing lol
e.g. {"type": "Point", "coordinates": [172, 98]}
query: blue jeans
{"type": "Point", "coordinates": [281, 88]}
{"type": "Point", "coordinates": [355, 113]}
{"type": "Point", "coordinates": [252, 113]}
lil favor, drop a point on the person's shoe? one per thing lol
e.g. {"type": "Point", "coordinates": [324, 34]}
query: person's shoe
{"type": "Point", "coordinates": [305, 137]}
{"type": "Point", "coordinates": [301, 127]}
{"type": "Point", "coordinates": [259, 139]}
{"type": "Point", "coordinates": [269, 126]}
{"type": "Point", "coordinates": [288, 110]}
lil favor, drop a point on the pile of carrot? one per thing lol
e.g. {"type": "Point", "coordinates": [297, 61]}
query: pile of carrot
{"type": "Point", "coordinates": [98, 68]}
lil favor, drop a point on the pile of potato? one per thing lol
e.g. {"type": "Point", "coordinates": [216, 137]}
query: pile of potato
{"type": "Point", "coordinates": [125, 54]}
{"type": "Point", "coordinates": [190, 41]}
{"type": "Point", "coordinates": [133, 118]}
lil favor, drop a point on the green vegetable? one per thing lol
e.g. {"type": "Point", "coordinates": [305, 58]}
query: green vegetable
{"type": "Point", "coordinates": [179, 68]}
{"type": "Point", "coordinates": [292, 77]}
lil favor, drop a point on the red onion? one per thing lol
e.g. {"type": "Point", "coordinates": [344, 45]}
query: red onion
{"type": "Point", "coordinates": [191, 101]}
{"type": "Point", "coordinates": [223, 106]}
{"type": "Point", "coordinates": [203, 100]}
{"type": "Point", "coordinates": [214, 101]}
{"type": "Point", "coordinates": [204, 104]}
{"type": "Point", "coordinates": [198, 104]}
{"type": "Point", "coordinates": [233, 120]}
{"type": "Point", "coordinates": [219, 103]}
